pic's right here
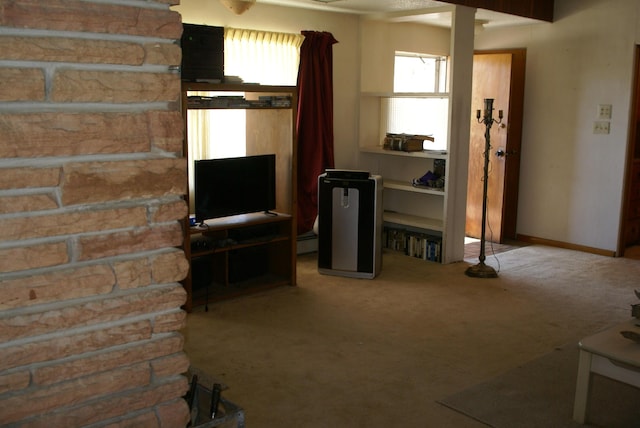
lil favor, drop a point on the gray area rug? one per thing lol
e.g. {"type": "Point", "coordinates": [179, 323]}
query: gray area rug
{"type": "Point", "coordinates": [540, 393]}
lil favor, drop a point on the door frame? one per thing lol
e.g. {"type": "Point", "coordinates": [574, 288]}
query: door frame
{"type": "Point", "coordinates": [634, 114]}
{"type": "Point", "coordinates": [514, 138]}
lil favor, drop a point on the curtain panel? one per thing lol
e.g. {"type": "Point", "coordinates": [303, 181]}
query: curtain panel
{"type": "Point", "coordinates": [314, 122]}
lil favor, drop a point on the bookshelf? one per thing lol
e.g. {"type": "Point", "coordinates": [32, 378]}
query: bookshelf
{"type": "Point", "coordinates": [434, 213]}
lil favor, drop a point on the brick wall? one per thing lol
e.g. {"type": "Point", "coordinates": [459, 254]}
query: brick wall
{"type": "Point", "coordinates": [91, 178]}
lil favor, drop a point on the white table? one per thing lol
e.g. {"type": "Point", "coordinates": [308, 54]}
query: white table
{"type": "Point", "coordinates": [608, 354]}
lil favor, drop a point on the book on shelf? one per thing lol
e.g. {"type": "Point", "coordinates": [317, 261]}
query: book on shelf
{"type": "Point", "coordinates": [394, 239]}
{"type": "Point", "coordinates": [237, 101]}
{"type": "Point", "coordinates": [405, 142]}
{"type": "Point", "coordinates": [432, 180]}
{"type": "Point", "coordinates": [220, 101]}
{"type": "Point", "coordinates": [276, 100]}
{"type": "Point", "coordinates": [414, 244]}
{"type": "Point", "coordinates": [233, 79]}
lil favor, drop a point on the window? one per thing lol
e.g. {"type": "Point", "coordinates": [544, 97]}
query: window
{"type": "Point", "coordinates": [424, 110]}
{"type": "Point", "coordinates": [414, 72]}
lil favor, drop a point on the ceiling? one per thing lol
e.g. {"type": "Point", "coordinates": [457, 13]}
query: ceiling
{"type": "Point", "coordinates": [418, 11]}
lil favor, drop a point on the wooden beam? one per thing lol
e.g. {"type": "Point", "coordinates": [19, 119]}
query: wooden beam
{"type": "Point", "coordinates": [536, 9]}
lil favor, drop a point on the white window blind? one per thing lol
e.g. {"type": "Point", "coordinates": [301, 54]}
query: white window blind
{"type": "Point", "coordinates": [263, 57]}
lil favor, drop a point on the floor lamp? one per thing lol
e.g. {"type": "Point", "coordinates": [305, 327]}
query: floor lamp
{"type": "Point", "coordinates": [481, 270]}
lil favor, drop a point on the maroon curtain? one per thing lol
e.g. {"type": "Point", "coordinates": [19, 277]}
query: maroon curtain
{"type": "Point", "coordinates": [314, 122]}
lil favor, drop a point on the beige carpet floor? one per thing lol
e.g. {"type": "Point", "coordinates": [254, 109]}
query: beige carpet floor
{"type": "Point", "coordinates": [472, 248]}
{"type": "Point", "coordinates": [540, 393]}
{"type": "Point", "coordinates": [343, 352]}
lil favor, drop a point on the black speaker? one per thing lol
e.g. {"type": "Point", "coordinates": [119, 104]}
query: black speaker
{"type": "Point", "coordinates": [202, 53]}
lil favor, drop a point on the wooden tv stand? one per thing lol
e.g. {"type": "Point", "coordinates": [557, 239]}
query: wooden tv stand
{"type": "Point", "coordinates": [236, 255]}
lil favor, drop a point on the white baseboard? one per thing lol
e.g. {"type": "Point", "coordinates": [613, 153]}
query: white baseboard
{"type": "Point", "coordinates": [307, 243]}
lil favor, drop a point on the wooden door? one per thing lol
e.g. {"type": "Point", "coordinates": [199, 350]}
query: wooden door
{"type": "Point", "coordinates": [498, 75]}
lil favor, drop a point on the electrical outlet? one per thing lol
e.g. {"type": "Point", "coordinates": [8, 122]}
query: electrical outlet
{"type": "Point", "coordinates": [604, 111]}
{"type": "Point", "coordinates": [601, 127]}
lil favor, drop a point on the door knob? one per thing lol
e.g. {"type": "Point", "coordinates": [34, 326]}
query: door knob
{"type": "Point", "coordinates": [501, 153]}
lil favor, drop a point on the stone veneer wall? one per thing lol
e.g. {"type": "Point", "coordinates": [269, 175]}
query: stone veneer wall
{"type": "Point", "coordinates": [91, 178]}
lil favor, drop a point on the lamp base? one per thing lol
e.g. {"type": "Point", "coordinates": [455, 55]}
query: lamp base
{"type": "Point", "coordinates": [481, 271]}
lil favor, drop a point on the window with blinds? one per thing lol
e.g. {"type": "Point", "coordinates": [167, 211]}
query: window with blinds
{"type": "Point", "coordinates": [421, 102]}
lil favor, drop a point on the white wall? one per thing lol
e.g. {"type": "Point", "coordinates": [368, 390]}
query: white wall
{"type": "Point", "coordinates": [345, 29]}
{"type": "Point", "coordinates": [381, 40]}
{"type": "Point", "coordinates": [571, 180]}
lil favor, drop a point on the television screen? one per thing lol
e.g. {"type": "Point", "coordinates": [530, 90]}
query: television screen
{"type": "Point", "coordinates": [232, 186]}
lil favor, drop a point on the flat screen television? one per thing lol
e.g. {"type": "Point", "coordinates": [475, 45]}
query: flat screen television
{"type": "Point", "coordinates": [232, 186]}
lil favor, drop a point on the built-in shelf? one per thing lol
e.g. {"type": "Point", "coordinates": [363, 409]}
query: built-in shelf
{"type": "Point", "coordinates": [251, 252]}
{"type": "Point", "coordinates": [234, 87]}
{"type": "Point", "coordinates": [192, 107]}
{"type": "Point", "coordinates": [429, 154]}
{"type": "Point", "coordinates": [413, 221]}
{"type": "Point", "coordinates": [444, 115]}
{"type": "Point", "coordinates": [406, 94]}
{"type": "Point", "coordinates": [408, 187]}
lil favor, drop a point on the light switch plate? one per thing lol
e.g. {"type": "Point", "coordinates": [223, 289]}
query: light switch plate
{"type": "Point", "coordinates": [601, 127]}
{"type": "Point", "coordinates": [604, 111]}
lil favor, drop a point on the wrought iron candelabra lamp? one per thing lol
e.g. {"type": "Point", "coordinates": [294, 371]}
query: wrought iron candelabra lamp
{"type": "Point", "coordinates": [481, 270]}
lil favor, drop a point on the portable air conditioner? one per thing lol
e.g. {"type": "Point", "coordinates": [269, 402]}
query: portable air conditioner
{"type": "Point", "coordinates": [349, 223]}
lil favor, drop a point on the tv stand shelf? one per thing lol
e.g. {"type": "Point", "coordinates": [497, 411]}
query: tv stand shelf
{"type": "Point", "coordinates": [250, 252]}
{"type": "Point", "coordinates": [239, 254]}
